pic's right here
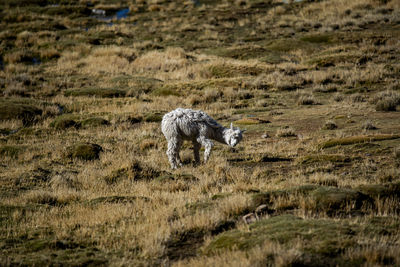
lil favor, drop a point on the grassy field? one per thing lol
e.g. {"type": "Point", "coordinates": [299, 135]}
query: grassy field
{"type": "Point", "coordinates": [84, 178]}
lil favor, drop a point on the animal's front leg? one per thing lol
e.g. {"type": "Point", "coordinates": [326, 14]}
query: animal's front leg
{"type": "Point", "coordinates": [178, 148]}
{"type": "Point", "coordinates": [208, 144]}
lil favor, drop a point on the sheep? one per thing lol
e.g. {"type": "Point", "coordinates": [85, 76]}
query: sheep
{"type": "Point", "coordinates": [196, 126]}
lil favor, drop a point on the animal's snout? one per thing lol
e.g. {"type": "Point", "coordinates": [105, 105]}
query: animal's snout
{"type": "Point", "coordinates": [233, 143]}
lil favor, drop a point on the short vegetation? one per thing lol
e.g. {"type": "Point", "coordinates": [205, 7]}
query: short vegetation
{"type": "Point", "coordinates": [84, 177]}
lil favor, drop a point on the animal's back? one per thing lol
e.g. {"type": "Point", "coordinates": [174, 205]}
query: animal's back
{"type": "Point", "coordinates": [186, 122]}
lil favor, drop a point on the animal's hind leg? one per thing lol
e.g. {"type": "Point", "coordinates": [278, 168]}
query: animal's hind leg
{"type": "Point", "coordinates": [196, 151]}
{"type": "Point", "coordinates": [172, 152]}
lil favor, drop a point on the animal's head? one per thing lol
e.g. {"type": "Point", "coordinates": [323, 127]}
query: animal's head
{"type": "Point", "coordinates": [233, 136]}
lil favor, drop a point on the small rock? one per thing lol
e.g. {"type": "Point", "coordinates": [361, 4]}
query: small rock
{"type": "Point", "coordinates": [265, 135]}
{"type": "Point", "coordinates": [249, 218]}
{"type": "Point", "coordinates": [99, 12]}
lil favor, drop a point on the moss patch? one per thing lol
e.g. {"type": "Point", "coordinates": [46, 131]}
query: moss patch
{"type": "Point", "coordinates": [390, 190]}
{"type": "Point", "coordinates": [64, 122]}
{"type": "Point", "coordinates": [357, 139]}
{"type": "Point", "coordinates": [165, 91]}
{"type": "Point", "coordinates": [334, 200]}
{"type": "Point", "coordinates": [98, 92]}
{"type": "Point", "coordinates": [153, 117]}
{"type": "Point", "coordinates": [227, 71]}
{"type": "Point", "coordinates": [251, 121]}
{"type": "Point", "coordinates": [270, 196]}
{"type": "Point", "coordinates": [11, 109]}
{"type": "Point", "coordinates": [326, 199]}
{"type": "Point", "coordinates": [94, 122]}
{"type": "Point", "coordinates": [317, 38]}
{"type": "Point", "coordinates": [322, 237]}
{"type": "Point", "coordinates": [323, 158]}
{"type": "Point", "coordinates": [84, 151]}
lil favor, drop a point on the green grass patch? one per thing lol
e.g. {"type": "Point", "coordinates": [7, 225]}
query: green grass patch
{"type": "Point", "coordinates": [153, 117]}
{"type": "Point", "coordinates": [317, 38]}
{"type": "Point", "coordinates": [241, 53]}
{"type": "Point", "coordinates": [94, 122]}
{"type": "Point", "coordinates": [251, 121]}
{"type": "Point", "coordinates": [390, 190]}
{"type": "Point", "coordinates": [321, 237]}
{"type": "Point", "coordinates": [229, 71]}
{"type": "Point", "coordinates": [20, 109]}
{"type": "Point", "coordinates": [323, 158]}
{"type": "Point", "coordinates": [332, 60]}
{"type": "Point", "coordinates": [65, 121]}
{"type": "Point", "coordinates": [165, 91]}
{"type": "Point", "coordinates": [270, 196]}
{"type": "Point", "coordinates": [333, 200]}
{"type": "Point", "coordinates": [97, 92]}
{"type": "Point", "coordinates": [286, 45]}
{"type": "Point", "coordinates": [357, 139]}
{"type": "Point", "coordinates": [84, 151]}
{"type": "Point", "coordinates": [320, 199]}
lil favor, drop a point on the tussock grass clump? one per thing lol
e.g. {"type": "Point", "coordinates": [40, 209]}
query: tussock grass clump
{"type": "Point", "coordinates": [11, 151]}
{"type": "Point", "coordinates": [115, 200]}
{"type": "Point", "coordinates": [357, 98]}
{"type": "Point", "coordinates": [338, 98]}
{"type": "Point", "coordinates": [50, 198]}
{"type": "Point", "coordinates": [396, 152]}
{"type": "Point", "coordinates": [324, 179]}
{"type": "Point", "coordinates": [64, 181]}
{"type": "Point", "coordinates": [22, 56]}
{"type": "Point", "coordinates": [169, 60]}
{"type": "Point", "coordinates": [286, 132]}
{"type": "Point", "coordinates": [387, 101]}
{"type": "Point", "coordinates": [306, 99]}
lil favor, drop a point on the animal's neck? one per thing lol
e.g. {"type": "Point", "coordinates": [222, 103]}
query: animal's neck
{"type": "Point", "coordinates": [220, 134]}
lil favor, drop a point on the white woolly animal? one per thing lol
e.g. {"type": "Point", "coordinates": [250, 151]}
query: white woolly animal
{"type": "Point", "coordinates": [196, 126]}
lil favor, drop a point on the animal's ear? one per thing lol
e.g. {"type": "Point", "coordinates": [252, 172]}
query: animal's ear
{"type": "Point", "coordinates": [242, 131]}
{"type": "Point", "coordinates": [231, 126]}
